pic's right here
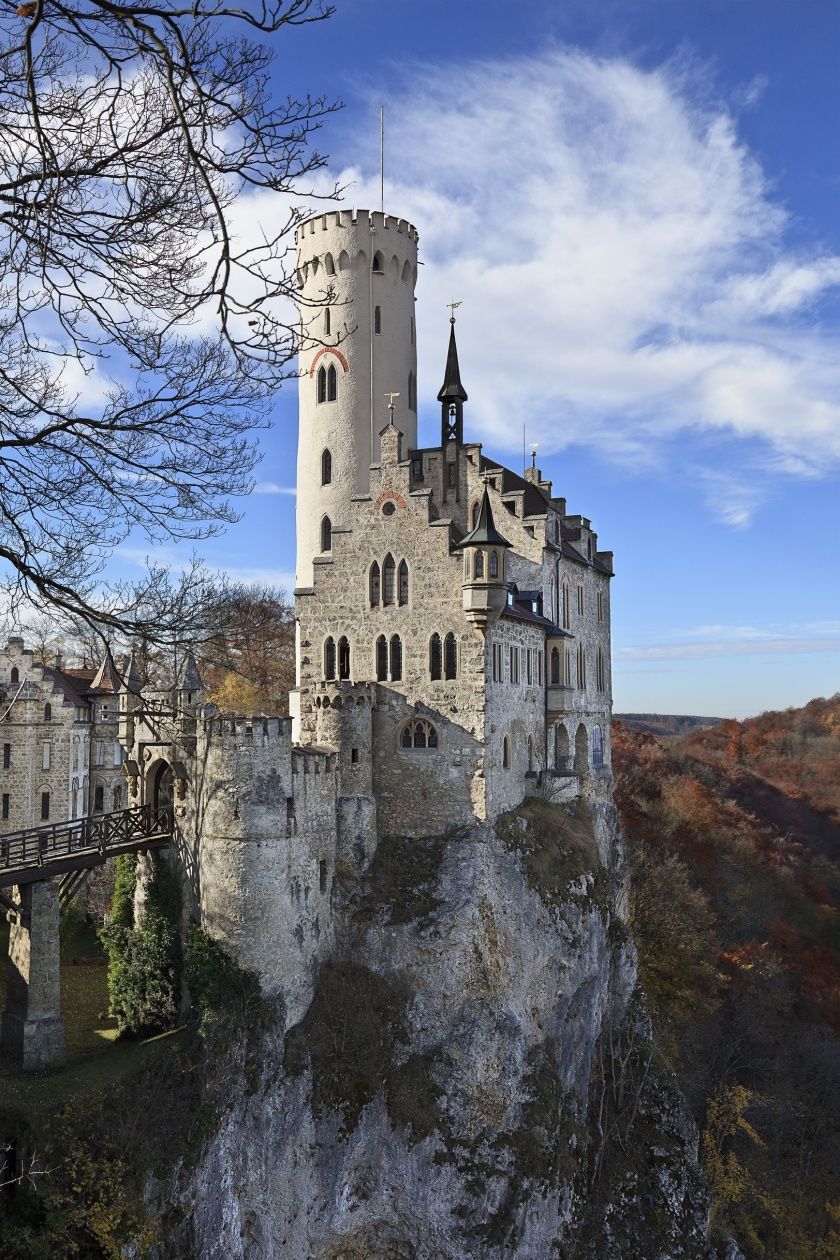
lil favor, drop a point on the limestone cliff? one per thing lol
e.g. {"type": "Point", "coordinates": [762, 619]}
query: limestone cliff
{"type": "Point", "coordinates": [474, 1078]}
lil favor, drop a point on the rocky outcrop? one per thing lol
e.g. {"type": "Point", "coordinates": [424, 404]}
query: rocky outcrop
{"type": "Point", "coordinates": [475, 1076]}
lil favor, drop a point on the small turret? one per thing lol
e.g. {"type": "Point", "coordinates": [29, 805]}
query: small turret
{"type": "Point", "coordinates": [452, 395]}
{"type": "Point", "coordinates": [484, 587]}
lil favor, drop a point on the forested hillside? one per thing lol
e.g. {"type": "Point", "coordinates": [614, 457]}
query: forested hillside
{"type": "Point", "coordinates": [734, 841]}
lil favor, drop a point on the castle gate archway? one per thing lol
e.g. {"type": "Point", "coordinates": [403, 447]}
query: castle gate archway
{"type": "Point", "coordinates": [163, 786]}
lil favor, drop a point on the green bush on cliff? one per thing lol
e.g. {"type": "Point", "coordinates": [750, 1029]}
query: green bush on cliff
{"type": "Point", "coordinates": [217, 984]}
{"type": "Point", "coordinates": [144, 957]}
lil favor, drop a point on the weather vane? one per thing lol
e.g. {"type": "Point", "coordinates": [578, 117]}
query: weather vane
{"type": "Point", "coordinates": [453, 306]}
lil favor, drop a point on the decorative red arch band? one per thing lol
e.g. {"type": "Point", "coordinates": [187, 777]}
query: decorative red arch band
{"type": "Point", "coordinates": [328, 350]}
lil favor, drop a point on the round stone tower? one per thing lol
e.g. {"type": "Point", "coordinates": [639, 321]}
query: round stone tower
{"type": "Point", "coordinates": [357, 346]}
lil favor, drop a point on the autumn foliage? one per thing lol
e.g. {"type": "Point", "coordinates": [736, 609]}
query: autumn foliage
{"type": "Point", "coordinates": [734, 841]}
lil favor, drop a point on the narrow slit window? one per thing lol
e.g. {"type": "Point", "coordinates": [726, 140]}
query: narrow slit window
{"type": "Point", "coordinates": [326, 534]}
{"type": "Point", "coordinates": [435, 657]}
{"type": "Point", "coordinates": [327, 322]}
{"type": "Point", "coordinates": [326, 467]}
{"type": "Point", "coordinates": [382, 658]}
{"type": "Point", "coordinates": [402, 583]}
{"type": "Point", "coordinates": [377, 320]}
{"type": "Point", "coordinates": [388, 573]}
{"type": "Point", "coordinates": [396, 658]}
{"type": "Point", "coordinates": [450, 656]}
{"type": "Point", "coordinates": [343, 657]}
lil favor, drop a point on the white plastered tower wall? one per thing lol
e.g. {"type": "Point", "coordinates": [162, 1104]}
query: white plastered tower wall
{"type": "Point", "coordinates": [335, 251]}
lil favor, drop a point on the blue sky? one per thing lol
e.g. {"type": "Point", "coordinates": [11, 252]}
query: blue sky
{"type": "Point", "coordinates": [637, 202]}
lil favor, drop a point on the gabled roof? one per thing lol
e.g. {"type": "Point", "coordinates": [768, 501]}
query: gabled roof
{"type": "Point", "coordinates": [485, 532]}
{"type": "Point", "coordinates": [535, 501]}
{"type": "Point", "coordinates": [107, 679]}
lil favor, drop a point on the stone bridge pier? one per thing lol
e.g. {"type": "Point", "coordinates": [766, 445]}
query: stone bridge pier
{"type": "Point", "coordinates": [31, 1032]}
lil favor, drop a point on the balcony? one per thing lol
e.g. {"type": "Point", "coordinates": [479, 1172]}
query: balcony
{"type": "Point", "coordinates": [560, 699]}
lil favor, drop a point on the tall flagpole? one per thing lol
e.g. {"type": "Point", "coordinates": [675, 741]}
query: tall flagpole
{"type": "Point", "coordinates": [382, 158]}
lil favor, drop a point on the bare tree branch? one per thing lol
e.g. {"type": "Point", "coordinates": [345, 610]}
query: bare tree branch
{"type": "Point", "coordinates": [140, 337]}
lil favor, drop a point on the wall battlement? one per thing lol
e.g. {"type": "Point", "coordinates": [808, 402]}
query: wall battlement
{"type": "Point", "coordinates": [235, 729]}
{"type": "Point", "coordinates": [354, 219]}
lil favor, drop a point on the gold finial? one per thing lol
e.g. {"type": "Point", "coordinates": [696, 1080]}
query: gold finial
{"type": "Point", "coordinates": [391, 395]}
{"type": "Point", "coordinates": [453, 306]}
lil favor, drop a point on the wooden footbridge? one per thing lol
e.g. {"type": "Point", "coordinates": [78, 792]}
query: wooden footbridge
{"type": "Point", "coordinates": [70, 849]}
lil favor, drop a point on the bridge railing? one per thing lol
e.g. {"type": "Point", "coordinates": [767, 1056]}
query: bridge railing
{"type": "Point", "coordinates": [60, 843]}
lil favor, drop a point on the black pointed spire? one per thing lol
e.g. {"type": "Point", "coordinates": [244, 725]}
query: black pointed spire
{"type": "Point", "coordinates": [485, 532]}
{"type": "Point", "coordinates": [452, 395]}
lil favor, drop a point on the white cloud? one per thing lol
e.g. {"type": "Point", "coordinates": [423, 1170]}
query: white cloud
{"type": "Point", "coordinates": [271, 487]}
{"type": "Point", "coordinates": [743, 647]}
{"type": "Point", "coordinates": [622, 264]}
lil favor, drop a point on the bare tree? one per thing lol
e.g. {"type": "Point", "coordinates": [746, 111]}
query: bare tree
{"type": "Point", "coordinates": [139, 338]}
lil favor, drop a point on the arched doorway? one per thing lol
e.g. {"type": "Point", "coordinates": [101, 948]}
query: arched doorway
{"type": "Point", "coordinates": [561, 747]}
{"type": "Point", "coordinates": [581, 750]}
{"type": "Point", "coordinates": [163, 787]}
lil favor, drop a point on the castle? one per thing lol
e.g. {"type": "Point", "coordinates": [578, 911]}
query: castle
{"type": "Point", "coordinates": [453, 636]}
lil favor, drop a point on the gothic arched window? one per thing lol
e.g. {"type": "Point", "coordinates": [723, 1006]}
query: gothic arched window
{"type": "Point", "coordinates": [377, 264]}
{"type": "Point", "coordinates": [329, 658]}
{"type": "Point", "coordinates": [581, 665]}
{"type": "Point", "coordinates": [555, 667]}
{"type": "Point", "coordinates": [388, 571]}
{"type": "Point", "coordinates": [419, 734]}
{"type": "Point", "coordinates": [396, 658]}
{"type": "Point", "coordinates": [597, 748]}
{"type": "Point", "coordinates": [494, 564]}
{"type": "Point", "coordinates": [402, 584]}
{"type": "Point", "coordinates": [435, 657]}
{"type": "Point", "coordinates": [14, 677]}
{"type": "Point", "coordinates": [374, 584]}
{"type": "Point", "coordinates": [332, 383]}
{"type": "Point", "coordinates": [382, 658]}
{"type": "Point", "coordinates": [343, 657]}
{"type": "Point", "coordinates": [326, 467]}
{"type": "Point", "coordinates": [326, 534]}
{"type": "Point", "coordinates": [321, 393]}
{"type": "Point", "coordinates": [450, 656]}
